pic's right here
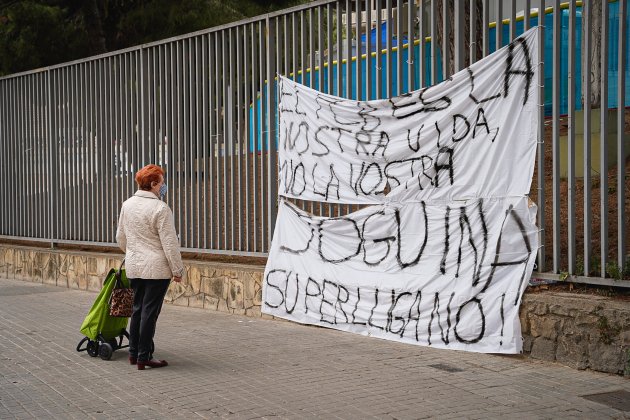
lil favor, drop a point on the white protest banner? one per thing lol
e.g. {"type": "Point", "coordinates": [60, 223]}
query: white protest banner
{"type": "Point", "coordinates": [444, 257]}
{"type": "Point", "coordinates": [426, 274]}
{"type": "Point", "coordinates": [473, 135]}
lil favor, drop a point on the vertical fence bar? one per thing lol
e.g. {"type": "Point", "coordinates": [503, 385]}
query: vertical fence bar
{"type": "Point", "coordinates": [411, 9]}
{"type": "Point", "coordinates": [603, 143]}
{"type": "Point", "coordinates": [513, 20]}
{"type": "Point", "coordinates": [179, 140]}
{"type": "Point", "coordinates": [18, 163]}
{"type": "Point", "coordinates": [247, 79]}
{"type": "Point", "coordinates": [9, 152]}
{"type": "Point", "coordinates": [53, 141]}
{"type": "Point", "coordinates": [541, 136]}
{"type": "Point", "coordinates": [128, 130]}
{"type": "Point", "coordinates": [25, 143]}
{"type": "Point", "coordinates": [330, 44]}
{"type": "Point", "coordinates": [67, 168]}
{"type": "Point", "coordinates": [557, 33]}
{"type": "Point", "coordinates": [26, 146]}
{"type": "Point", "coordinates": [90, 150]}
{"type": "Point", "coordinates": [186, 162]}
{"type": "Point", "coordinates": [433, 43]}
{"type": "Point", "coordinates": [4, 147]}
{"type": "Point", "coordinates": [167, 135]}
{"type": "Point", "coordinates": [27, 124]}
{"type": "Point", "coordinates": [23, 150]}
{"type": "Point", "coordinates": [100, 145]}
{"type": "Point", "coordinates": [446, 35]}
{"type": "Point", "coordinates": [31, 155]}
{"type": "Point", "coordinates": [311, 67]}
{"type": "Point", "coordinates": [34, 154]}
{"type": "Point", "coordinates": [348, 93]}
{"type": "Point", "coordinates": [311, 48]}
{"type": "Point", "coordinates": [193, 149]}
{"type": "Point", "coordinates": [359, 68]}
{"type": "Point", "coordinates": [226, 124]}
{"type": "Point", "coordinates": [571, 228]}
{"type": "Point", "coordinates": [255, 123]}
{"type": "Point", "coordinates": [302, 55]}
{"type": "Point", "coordinates": [118, 142]}
{"type": "Point", "coordinates": [294, 46]}
{"type": "Point", "coordinates": [272, 158]}
{"type": "Point", "coordinates": [499, 25]}
{"type": "Point", "coordinates": [262, 39]}
{"type": "Point", "coordinates": [71, 149]}
{"type": "Point", "coordinates": [621, 153]}
{"type": "Point", "coordinates": [388, 46]}
{"type": "Point", "coordinates": [586, 100]}
{"type": "Point", "coordinates": [83, 155]}
{"type": "Point", "coordinates": [232, 133]}
{"type": "Point", "coordinates": [422, 75]}
{"type": "Point", "coordinates": [212, 135]}
{"type": "Point", "coordinates": [472, 51]}
{"type": "Point", "coordinates": [320, 47]}
{"type": "Point", "coordinates": [3, 162]}
{"type": "Point", "coordinates": [459, 29]}
{"type": "Point", "coordinates": [527, 15]}
{"type": "Point", "coordinates": [399, 45]}
{"type": "Point", "coordinates": [486, 28]}
{"type": "Point", "coordinates": [12, 148]}
{"type": "Point", "coordinates": [34, 147]}
{"type": "Point", "coordinates": [379, 52]}
{"type": "Point", "coordinates": [240, 137]}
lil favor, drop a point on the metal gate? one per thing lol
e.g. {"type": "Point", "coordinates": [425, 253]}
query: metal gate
{"type": "Point", "coordinates": [203, 106]}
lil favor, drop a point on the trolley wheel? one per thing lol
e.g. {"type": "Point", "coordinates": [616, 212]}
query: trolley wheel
{"type": "Point", "coordinates": [105, 350]}
{"type": "Point", "coordinates": [114, 343]}
{"type": "Point", "coordinates": [92, 348]}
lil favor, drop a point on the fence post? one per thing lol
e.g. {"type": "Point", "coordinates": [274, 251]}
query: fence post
{"type": "Point", "coordinates": [272, 158]}
{"type": "Point", "coordinates": [52, 174]}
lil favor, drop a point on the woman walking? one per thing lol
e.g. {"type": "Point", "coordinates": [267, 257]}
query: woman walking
{"type": "Point", "coordinates": [146, 234]}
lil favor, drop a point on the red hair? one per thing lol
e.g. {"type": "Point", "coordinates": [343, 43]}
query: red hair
{"type": "Point", "coordinates": [148, 175]}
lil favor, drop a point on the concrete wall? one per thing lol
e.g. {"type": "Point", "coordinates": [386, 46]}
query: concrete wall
{"type": "Point", "coordinates": [580, 331]}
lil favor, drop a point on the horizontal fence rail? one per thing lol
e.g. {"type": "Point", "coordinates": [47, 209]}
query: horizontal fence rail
{"type": "Point", "coordinates": [203, 106]}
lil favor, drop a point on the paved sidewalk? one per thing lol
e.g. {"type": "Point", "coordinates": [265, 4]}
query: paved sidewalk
{"type": "Point", "coordinates": [231, 366]}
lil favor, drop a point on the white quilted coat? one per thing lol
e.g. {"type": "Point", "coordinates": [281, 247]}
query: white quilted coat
{"type": "Point", "coordinates": [146, 234]}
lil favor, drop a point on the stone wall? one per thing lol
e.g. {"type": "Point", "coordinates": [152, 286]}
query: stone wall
{"type": "Point", "coordinates": [580, 331]}
{"type": "Point", "coordinates": [222, 287]}
{"type": "Point", "coordinates": [583, 332]}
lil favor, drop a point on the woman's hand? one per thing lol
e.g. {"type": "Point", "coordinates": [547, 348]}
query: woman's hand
{"type": "Point", "coordinates": [177, 279]}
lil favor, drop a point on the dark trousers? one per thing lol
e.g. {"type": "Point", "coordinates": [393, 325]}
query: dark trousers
{"type": "Point", "coordinates": [147, 303]}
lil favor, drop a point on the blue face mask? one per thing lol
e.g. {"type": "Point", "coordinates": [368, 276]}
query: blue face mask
{"type": "Point", "coordinates": [163, 190]}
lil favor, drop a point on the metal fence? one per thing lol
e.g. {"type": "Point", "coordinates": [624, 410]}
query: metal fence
{"type": "Point", "coordinates": [203, 106]}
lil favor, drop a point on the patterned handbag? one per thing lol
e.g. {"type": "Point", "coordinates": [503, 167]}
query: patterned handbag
{"type": "Point", "coordinates": [121, 299]}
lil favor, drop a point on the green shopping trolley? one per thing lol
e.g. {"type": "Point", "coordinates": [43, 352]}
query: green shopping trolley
{"type": "Point", "coordinates": [104, 333]}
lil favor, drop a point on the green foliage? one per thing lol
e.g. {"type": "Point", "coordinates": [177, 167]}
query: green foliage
{"type": "Point", "coordinates": [579, 266]}
{"type": "Point", "coordinates": [613, 270]}
{"type": "Point", "coordinates": [33, 35]}
{"type": "Point", "coordinates": [38, 33]}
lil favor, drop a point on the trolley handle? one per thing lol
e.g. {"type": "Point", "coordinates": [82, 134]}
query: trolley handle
{"type": "Point", "coordinates": [118, 275]}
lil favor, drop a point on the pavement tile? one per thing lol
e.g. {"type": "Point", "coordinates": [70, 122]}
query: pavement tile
{"type": "Point", "coordinates": [229, 366]}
